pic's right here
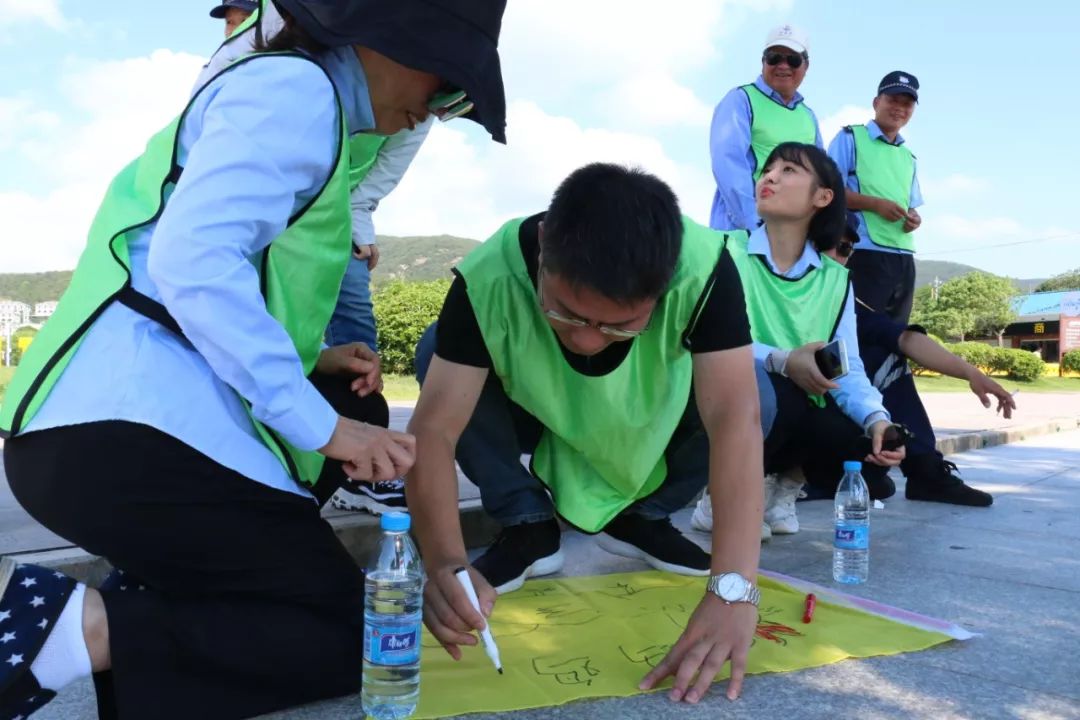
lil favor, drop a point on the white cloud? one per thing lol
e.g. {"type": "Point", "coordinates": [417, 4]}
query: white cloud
{"type": "Point", "coordinates": [460, 189]}
{"type": "Point", "coordinates": [112, 108]}
{"type": "Point", "coordinates": [620, 59]}
{"type": "Point", "coordinates": [44, 11]}
{"type": "Point", "coordinates": [847, 115]}
{"type": "Point", "coordinates": [957, 227]}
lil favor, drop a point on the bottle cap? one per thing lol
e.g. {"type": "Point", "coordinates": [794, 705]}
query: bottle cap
{"type": "Point", "coordinates": [849, 466]}
{"type": "Point", "coordinates": [396, 522]}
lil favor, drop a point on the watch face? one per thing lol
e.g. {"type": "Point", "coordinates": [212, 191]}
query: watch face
{"type": "Point", "coordinates": [731, 587]}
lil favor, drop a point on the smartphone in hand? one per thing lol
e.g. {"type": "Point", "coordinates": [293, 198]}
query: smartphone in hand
{"type": "Point", "coordinates": [832, 359]}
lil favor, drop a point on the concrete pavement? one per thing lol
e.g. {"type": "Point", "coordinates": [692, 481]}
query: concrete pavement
{"type": "Point", "coordinates": [1010, 572]}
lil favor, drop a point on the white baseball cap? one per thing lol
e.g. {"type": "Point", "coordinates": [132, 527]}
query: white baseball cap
{"type": "Point", "coordinates": [788, 36]}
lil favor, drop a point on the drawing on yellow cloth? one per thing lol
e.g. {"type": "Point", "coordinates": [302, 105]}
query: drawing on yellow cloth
{"type": "Point", "coordinates": [573, 638]}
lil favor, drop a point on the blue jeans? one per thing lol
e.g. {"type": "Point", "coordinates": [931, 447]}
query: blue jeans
{"type": "Point", "coordinates": [501, 431]}
{"type": "Point", "coordinates": [353, 319]}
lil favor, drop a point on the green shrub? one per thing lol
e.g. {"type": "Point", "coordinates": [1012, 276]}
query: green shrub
{"type": "Point", "coordinates": [977, 353]}
{"type": "Point", "coordinates": [1025, 366]}
{"type": "Point", "coordinates": [1070, 361]}
{"type": "Point", "coordinates": [1001, 360]}
{"type": "Point", "coordinates": [403, 310]}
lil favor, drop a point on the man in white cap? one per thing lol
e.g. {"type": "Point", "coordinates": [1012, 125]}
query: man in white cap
{"type": "Point", "coordinates": [753, 119]}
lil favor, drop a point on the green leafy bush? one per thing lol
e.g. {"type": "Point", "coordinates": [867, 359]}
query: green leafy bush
{"type": "Point", "coordinates": [1025, 366]}
{"type": "Point", "coordinates": [976, 353]}
{"type": "Point", "coordinates": [403, 310]}
{"type": "Point", "coordinates": [1070, 361]}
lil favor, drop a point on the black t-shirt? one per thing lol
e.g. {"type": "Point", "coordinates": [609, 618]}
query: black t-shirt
{"type": "Point", "coordinates": [722, 323]}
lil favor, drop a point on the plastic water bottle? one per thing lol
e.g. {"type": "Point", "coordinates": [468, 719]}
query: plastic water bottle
{"type": "Point", "coordinates": [393, 599]}
{"type": "Point", "coordinates": [851, 543]}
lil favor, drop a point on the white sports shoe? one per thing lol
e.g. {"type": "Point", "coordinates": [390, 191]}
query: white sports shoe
{"type": "Point", "coordinates": [780, 504]}
{"type": "Point", "coordinates": [701, 520]}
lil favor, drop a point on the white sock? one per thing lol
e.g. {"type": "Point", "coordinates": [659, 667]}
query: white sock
{"type": "Point", "coordinates": [64, 657]}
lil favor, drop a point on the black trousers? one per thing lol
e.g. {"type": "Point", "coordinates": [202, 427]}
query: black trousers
{"type": "Point", "coordinates": [819, 440]}
{"type": "Point", "coordinates": [252, 605]}
{"type": "Point", "coordinates": [884, 281]}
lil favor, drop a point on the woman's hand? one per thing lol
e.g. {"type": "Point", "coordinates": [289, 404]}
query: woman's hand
{"type": "Point", "coordinates": [716, 633]}
{"type": "Point", "coordinates": [885, 458]}
{"type": "Point", "coordinates": [355, 360]}
{"type": "Point", "coordinates": [803, 370]}
{"type": "Point", "coordinates": [370, 453]}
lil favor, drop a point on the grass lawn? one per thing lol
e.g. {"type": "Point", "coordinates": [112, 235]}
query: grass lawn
{"type": "Point", "coordinates": [1045, 384]}
{"type": "Point", "coordinates": [405, 388]}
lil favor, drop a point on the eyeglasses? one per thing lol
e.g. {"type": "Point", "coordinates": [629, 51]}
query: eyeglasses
{"type": "Point", "coordinates": [579, 323]}
{"type": "Point", "coordinates": [794, 60]}
{"type": "Point", "coordinates": [844, 248]}
{"type": "Point", "coordinates": [450, 104]}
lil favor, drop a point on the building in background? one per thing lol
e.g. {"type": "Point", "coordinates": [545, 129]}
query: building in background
{"type": "Point", "coordinates": [43, 310]}
{"type": "Point", "coordinates": [1038, 326]}
{"type": "Point", "coordinates": [14, 314]}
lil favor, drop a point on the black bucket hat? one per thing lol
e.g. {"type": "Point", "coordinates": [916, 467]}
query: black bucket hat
{"type": "Point", "coordinates": [457, 40]}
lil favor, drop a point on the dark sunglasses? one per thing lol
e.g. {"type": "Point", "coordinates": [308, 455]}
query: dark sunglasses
{"type": "Point", "coordinates": [794, 60]}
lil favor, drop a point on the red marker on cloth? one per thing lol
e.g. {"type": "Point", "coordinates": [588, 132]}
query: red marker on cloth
{"type": "Point", "coordinates": [811, 603]}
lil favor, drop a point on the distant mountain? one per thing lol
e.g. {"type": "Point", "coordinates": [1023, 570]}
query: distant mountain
{"type": "Point", "coordinates": [33, 288]}
{"type": "Point", "coordinates": [927, 270]}
{"type": "Point", "coordinates": [419, 258]}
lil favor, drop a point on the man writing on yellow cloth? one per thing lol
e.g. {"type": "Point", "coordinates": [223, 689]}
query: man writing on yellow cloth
{"type": "Point", "coordinates": [609, 339]}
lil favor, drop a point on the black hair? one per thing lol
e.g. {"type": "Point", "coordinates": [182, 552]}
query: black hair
{"type": "Point", "coordinates": [291, 37]}
{"type": "Point", "coordinates": [615, 230]}
{"type": "Point", "coordinates": [827, 225]}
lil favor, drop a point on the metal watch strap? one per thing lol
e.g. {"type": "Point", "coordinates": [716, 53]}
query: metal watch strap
{"type": "Point", "coordinates": [752, 595]}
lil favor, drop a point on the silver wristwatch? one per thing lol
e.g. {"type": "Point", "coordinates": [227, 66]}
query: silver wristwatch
{"type": "Point", "coordinates": [733, 588]}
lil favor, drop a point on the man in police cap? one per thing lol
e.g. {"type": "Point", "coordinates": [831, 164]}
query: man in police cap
{"type": "Point", "coordinates": [883, 194]}
{"type": "Point", "coordinates": [753, 119]}
{"type": "Point", "coordinates": [234, 13]}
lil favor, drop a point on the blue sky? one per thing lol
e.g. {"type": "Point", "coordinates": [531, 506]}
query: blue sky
{"type": "Point", "coordinates": [87, 82]}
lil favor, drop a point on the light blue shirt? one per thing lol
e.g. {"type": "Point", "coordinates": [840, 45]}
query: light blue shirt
{"type": "Point", "coordinates": [256, 146]}
{"type": "Point", "coordinates": [394, 158]}
{"type": "Point", "coordinates": [733, 163]}
{"type": "Point", "coordinates": [855, 397]}
{"type": "Point", "coordinates": [842, 151]}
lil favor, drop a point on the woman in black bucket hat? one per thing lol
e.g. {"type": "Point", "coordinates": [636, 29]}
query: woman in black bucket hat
{"type": "Point", "coordinates": [178, 414]}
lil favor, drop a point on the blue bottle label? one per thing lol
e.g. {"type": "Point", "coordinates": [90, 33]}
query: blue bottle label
{"type": "Point", "coordinates": [393, 644]}
{"type": "Point", "coordinates": [852, 537]}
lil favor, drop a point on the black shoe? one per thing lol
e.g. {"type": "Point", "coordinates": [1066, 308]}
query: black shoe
{"type": "Point", "coordinates": [376, 498]}
{"type": "Point", "coordinates": [520, 552]}
{"type": "Point", "coordinates": [935, 480]}
{"type": "Point", "coordinates": [657, 542]}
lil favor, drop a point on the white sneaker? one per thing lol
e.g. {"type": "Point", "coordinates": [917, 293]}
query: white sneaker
{"type": "Point", "coordinates": [375, 498]}
{"type": "Point", "coordinates": [701, 520]}
{"type": "Point", "coordinates": [780, 507]}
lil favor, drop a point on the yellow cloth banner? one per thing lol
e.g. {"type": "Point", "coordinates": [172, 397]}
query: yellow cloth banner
{"type": "Point", "coordinates": [566, 639]}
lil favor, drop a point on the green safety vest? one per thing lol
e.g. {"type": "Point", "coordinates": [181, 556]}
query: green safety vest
{"type": "Point", "coordinates": [604, 437]}
{"type": "Point", "coordinates": [788, 313]}
{"type": "Point", "coordinates": [886, 171]}
{"type": "Point", "coordinates": [772, 123]}
{"type": "Point", "coordinates": [364, 150]}
{"type": "Point", "coordinates": [363, 147]}
{"type": "Point", "coordinates": [300, 273]}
